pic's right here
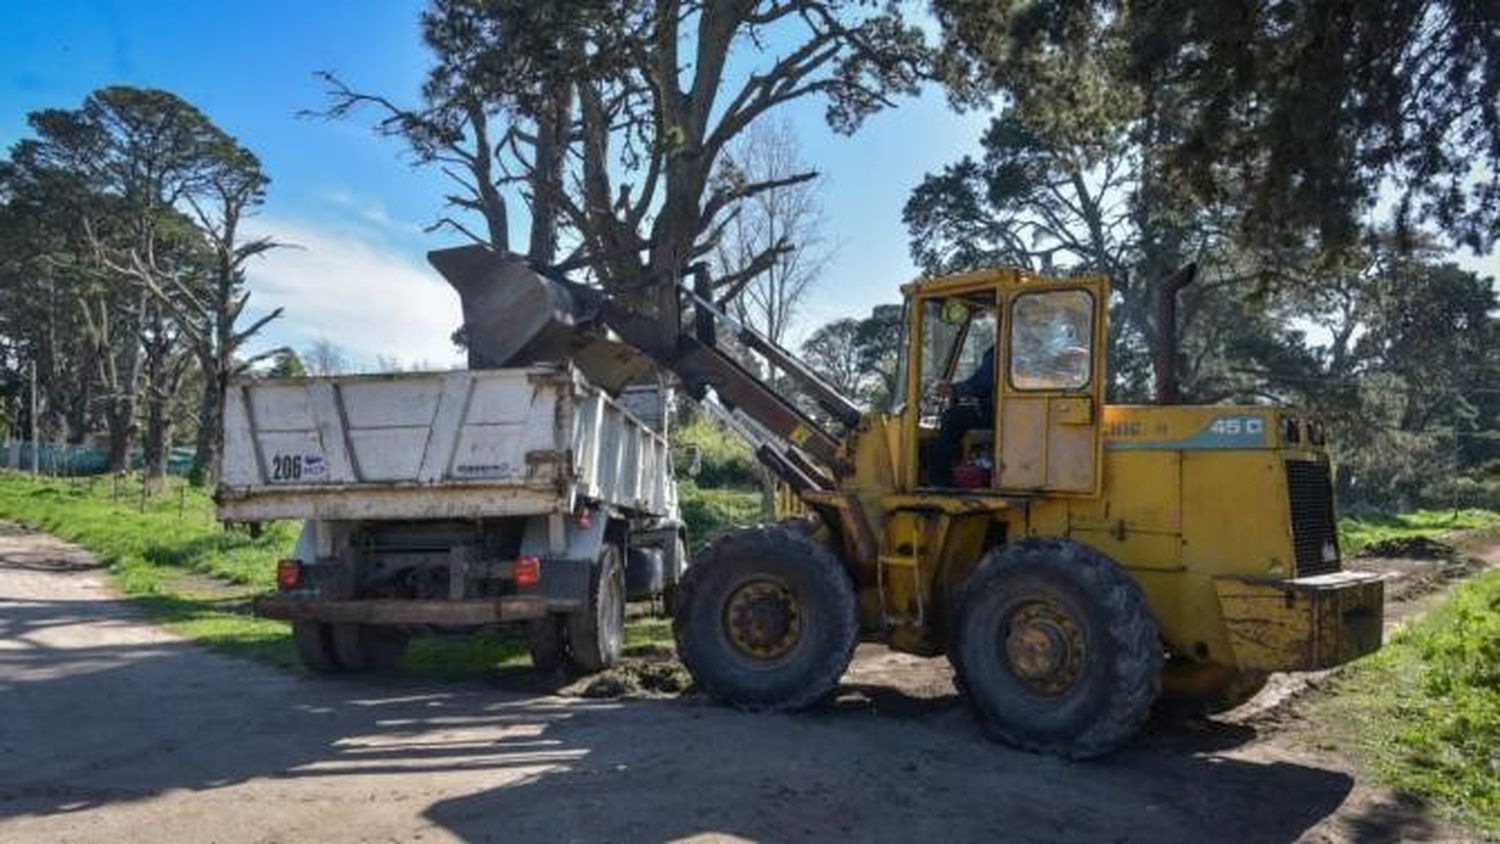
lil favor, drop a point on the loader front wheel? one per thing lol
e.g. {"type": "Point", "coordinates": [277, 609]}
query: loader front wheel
{"type": "Point", "coordinates": [766, 619]}
{"type": "Point", "coordinates": [1057, 650]}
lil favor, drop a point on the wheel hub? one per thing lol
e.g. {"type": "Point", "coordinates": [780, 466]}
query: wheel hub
{"type": "Point", "coordinates": [763, 619]}
{"type": "Point", "coordinates": [1043, 647]}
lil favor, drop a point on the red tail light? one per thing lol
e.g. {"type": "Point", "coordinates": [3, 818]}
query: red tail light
{"type": "Point", "coordinates": [528, 571]}
{"type": "Point", "coordinates": [288, 574]}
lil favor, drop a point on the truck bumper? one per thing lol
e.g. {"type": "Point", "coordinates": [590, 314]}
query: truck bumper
{"type": "Point", "coordinates": [1304, 624]}
{"type": "Point", "coordinates": [388, 611]}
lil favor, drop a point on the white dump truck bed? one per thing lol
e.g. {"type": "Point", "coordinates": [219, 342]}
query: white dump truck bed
{"type": "Point", "coordinates": [462, 444]}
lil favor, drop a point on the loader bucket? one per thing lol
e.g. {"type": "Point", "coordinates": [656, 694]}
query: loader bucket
{"type": "Point", "coordinates": [515, 316]}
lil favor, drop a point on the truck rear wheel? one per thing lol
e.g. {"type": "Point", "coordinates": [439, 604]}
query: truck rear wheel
{"type": "Point", "coordinates": [1057, 650]}
{"type": "Point", "coordinates": [314, 643]}
{"type": "Point", "coordinates": [766, 619]}
{"type": "Point", "coordinates": [544, 639]}
{"type": "Point", "coordinates": [597, 634]}
{"type": "Point", "coordinates": [361, 647]}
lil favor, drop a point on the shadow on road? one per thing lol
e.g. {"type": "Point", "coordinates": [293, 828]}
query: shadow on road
{"type": "Point", "coordinates": [98, 710]}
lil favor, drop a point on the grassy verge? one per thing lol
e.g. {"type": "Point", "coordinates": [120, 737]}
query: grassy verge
{"type": "Point", "coordinates": [1359, 533]}
{"type": "Point", "coordinates": [167, 553]}
{"type": "Point", "coordinates": [1424, 712]}
{"type": "Point", "coordinates": [708, 513]}
{"type": "Point", "coordinates": [197, 578]}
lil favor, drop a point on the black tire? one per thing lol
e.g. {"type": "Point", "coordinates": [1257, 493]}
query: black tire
{"type": "Point", "coordinates": [544, 638]}
{"type": "Point", "coordinates": [671, 589]}
{"type": "Point", "coordinates": [314, 642]}
{"type": "Point", "coordinates": [1057, 650]}
{"type": "Point", "coordinates": [367, 647]}
{"type": "Point", "coordinates": [596, 636]}
{"type": "Point", "coordinates": [770, 589]}
{"type": "Point", "coordinates": [384, 647]}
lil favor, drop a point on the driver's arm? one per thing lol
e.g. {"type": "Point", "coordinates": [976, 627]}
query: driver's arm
{"type": "Point", "coordinates": [980, 384]}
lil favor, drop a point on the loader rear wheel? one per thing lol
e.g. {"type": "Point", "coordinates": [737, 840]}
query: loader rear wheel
{"type": "Point", "coordinates": [1057, 650]}
{"type": "Point", "coordinates": [597, 634]}
{"type": "Point", "coordinates": [367, 647]}
{"type": "Point", "coordinates": [766, 619]}
{"type": "Point", "coordinates": [544, 638]}
{"type": "Point", "coordinates": [314, 643]}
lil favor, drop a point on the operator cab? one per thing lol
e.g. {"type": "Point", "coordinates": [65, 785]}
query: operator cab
{"type": "Point", "coordinates": [1004, 382]}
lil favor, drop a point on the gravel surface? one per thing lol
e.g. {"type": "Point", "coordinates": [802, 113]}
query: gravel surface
{"type": "Point", "coordinates": [114, 730]}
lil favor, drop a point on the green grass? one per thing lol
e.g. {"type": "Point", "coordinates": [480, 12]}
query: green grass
{"type": "Point", "coordinates": [724, 458]}
{"type": "Point", "coordinates": [1424, 711]}
{"type": "Point", "coordinates": [152, 552]}
{"type": "Point", "coordinates": [197, 578]}
{"type": "Point", "coordinates": [709, 513]}
{"type": "Point", "coordinates": [1360, 532]}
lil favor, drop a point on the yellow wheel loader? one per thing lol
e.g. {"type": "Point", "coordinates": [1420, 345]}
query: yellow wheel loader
{"type": "Point", "coordinates": [1074, 560]}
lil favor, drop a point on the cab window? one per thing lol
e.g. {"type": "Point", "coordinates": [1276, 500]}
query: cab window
{"type": "Point", "coordinates": [957, 334]}
{"type": "Point", "coordinates": [979, 343]}
{"type": "Point", "coordinates": [1051, 340]}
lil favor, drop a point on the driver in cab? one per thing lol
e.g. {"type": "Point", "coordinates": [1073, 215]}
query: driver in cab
{"type": "Point", "coordinates": [971, 406]}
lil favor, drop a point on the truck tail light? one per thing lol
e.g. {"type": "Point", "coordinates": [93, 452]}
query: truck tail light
{"type": "Point", "coordinates": [288, 574]}
{"type": "Point", "coordinates": [528, 571]}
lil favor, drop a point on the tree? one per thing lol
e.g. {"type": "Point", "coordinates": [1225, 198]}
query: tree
{"type": "Point", "coordinates": [651, 100]}
{"type": "Point", "coordinates": [119, 245]}
{"type": "Point", "coordinates": [1050, 207]}
{"type": "Point", "coordinates": [132, 158]}
{"type": "Point", "coordinates": [880, 339]}
{"type": "Point", "coordinates": [834, 353]}
{"type": "Point", "coordinates": [285, 363]}
{"type": "Point", "coordinates": [860, 357]}
{"type": "Point", "coordinates": [1301, 112]}
{"type": "Point", "coordinates": [324, 358]}
{"type": "Point", "coordinates": [1260, 128]}
{"type": "Point", "coordinates": [38, 284]}
{"type": "Point", "coordinates": [789, 215]}
{"type": "Point", "coordinates": [233, 187]}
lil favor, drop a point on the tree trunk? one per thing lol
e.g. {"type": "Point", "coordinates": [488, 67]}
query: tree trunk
{"type": "Point", "coordinates": [121, 423]}
{"type": "Point", "coordinates": [207, 446]}
{"type": "Point", "coordinates": [158, 444]}
{"type": "Point", "coordinates": [1164, 351]}
{"type": "Point", "coordinates": [551, 148]}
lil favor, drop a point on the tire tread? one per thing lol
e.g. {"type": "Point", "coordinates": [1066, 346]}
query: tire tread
{"type": "Point", "coordinates": [1138, 651]}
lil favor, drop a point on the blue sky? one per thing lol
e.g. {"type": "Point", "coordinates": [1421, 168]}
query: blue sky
{"type": "Point", "coordinates": [350, 200]}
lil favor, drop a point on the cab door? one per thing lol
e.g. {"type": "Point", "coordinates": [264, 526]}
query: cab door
{"type": "Point", "coordinates": [1051, 387]}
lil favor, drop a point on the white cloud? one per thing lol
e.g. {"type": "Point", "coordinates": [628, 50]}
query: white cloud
{"type": "Point", "coordinates": [369, 210]}
{"type": "Point", "coordinates": [365, 297]}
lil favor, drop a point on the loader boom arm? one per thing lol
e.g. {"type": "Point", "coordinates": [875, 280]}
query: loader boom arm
{"type": "Point", "coordinates": [513, 314]}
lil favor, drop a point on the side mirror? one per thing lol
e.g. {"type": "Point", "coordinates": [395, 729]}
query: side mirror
{"type": "Point", "coordinates": [694, 460]}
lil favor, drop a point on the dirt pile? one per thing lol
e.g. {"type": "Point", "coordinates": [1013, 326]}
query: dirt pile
{"type": "Point", "coordinates": [1411, 548]}
{"type": "Point", "coordinates": [648, 672]}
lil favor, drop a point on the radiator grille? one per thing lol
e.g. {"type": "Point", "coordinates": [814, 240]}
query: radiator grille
{"type": "Point", "coordinates": [1314, 532]}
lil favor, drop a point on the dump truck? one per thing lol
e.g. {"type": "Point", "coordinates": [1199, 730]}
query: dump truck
{"type": "Point", "coordinates": [455, 501]}
{"type": "Point", "coordinates": [1074, 560]}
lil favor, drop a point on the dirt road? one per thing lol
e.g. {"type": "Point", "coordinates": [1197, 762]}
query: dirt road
{"type": "Point", "coordinates": [114, 730]}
